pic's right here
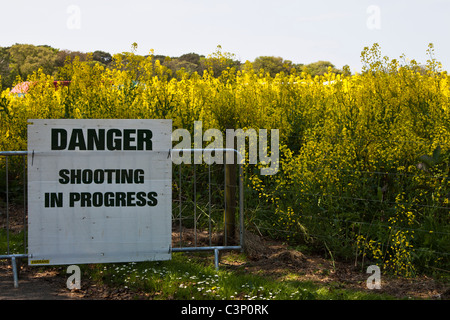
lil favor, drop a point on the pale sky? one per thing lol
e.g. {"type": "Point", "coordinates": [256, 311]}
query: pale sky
{"type": "Point", "coordinates": [300, 31]}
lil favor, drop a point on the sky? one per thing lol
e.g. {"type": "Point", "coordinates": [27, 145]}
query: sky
{"type": "Point", "coordinates": [300, 31]}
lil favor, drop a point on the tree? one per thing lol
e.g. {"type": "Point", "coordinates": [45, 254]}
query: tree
{"type": "Point", "coordinates": [66, 55]}
{"type": "Point", "coordinates": [26, 59]}
{"type": "Point", "coordinates": [191, 62]}
{"type": "Point", "coordinates": [5, 70]}
{"type": "Point", "coordinates": [102, 57]}
{"type": "Point", "coordinates": [219, 61]}
{"type": "Point", "coordinates": [320, 67]}
{"type": "Point", "coordinates": [178, 64]}
{"type": "Point", "coordinates": [191, 57]}
{"type": "Point", "coordinates": [272, 65]}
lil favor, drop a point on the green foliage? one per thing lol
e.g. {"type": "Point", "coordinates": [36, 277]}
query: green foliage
{"type": "Point", "coordinates": [6, 77]}
{"type": "Point", "coordinates": [219, 61]}
{"type": "Point", "coordinates": [26, 59]}
{"type": "Point", "coordinates": [319, 68]}
{"type": "Point", "coordinates": [272, 65]}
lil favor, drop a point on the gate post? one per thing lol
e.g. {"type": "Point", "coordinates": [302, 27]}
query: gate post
{"type": "Point", "coordinates": [230, 204]}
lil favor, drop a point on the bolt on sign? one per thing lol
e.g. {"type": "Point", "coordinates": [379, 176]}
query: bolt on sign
{"type": "Point", "coordinates": [99, 191]}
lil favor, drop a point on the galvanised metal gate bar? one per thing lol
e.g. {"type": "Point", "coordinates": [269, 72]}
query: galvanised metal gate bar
{"type": "Point", "coordinates": [216, 248]}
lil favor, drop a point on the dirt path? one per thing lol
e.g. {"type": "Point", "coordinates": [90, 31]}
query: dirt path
{"type": "Point", "coordinates": [34, 285]}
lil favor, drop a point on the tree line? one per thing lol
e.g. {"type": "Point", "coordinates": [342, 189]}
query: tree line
{"type": "Point", "coordinates": [19, 61]}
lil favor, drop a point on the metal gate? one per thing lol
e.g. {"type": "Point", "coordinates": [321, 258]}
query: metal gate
{"type": "Point", "coordinates": [228, 205]}
{"type": "Point", "coordinates": [17, 159]}
{"type": "Point", "coordinates": [203, 196]}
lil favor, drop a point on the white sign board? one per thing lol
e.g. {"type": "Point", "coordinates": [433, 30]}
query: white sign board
{"type": "Point", "coordinates": [99, 191]}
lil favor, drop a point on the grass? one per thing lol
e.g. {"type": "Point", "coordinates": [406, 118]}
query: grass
{"type": "Point", "coordinates": [192, 277]}
{"type": "Point", "coordinates": [15, 242]}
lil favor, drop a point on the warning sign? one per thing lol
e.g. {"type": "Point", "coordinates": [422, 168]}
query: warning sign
{"type": "Point", "coordinates": [99, 191]}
